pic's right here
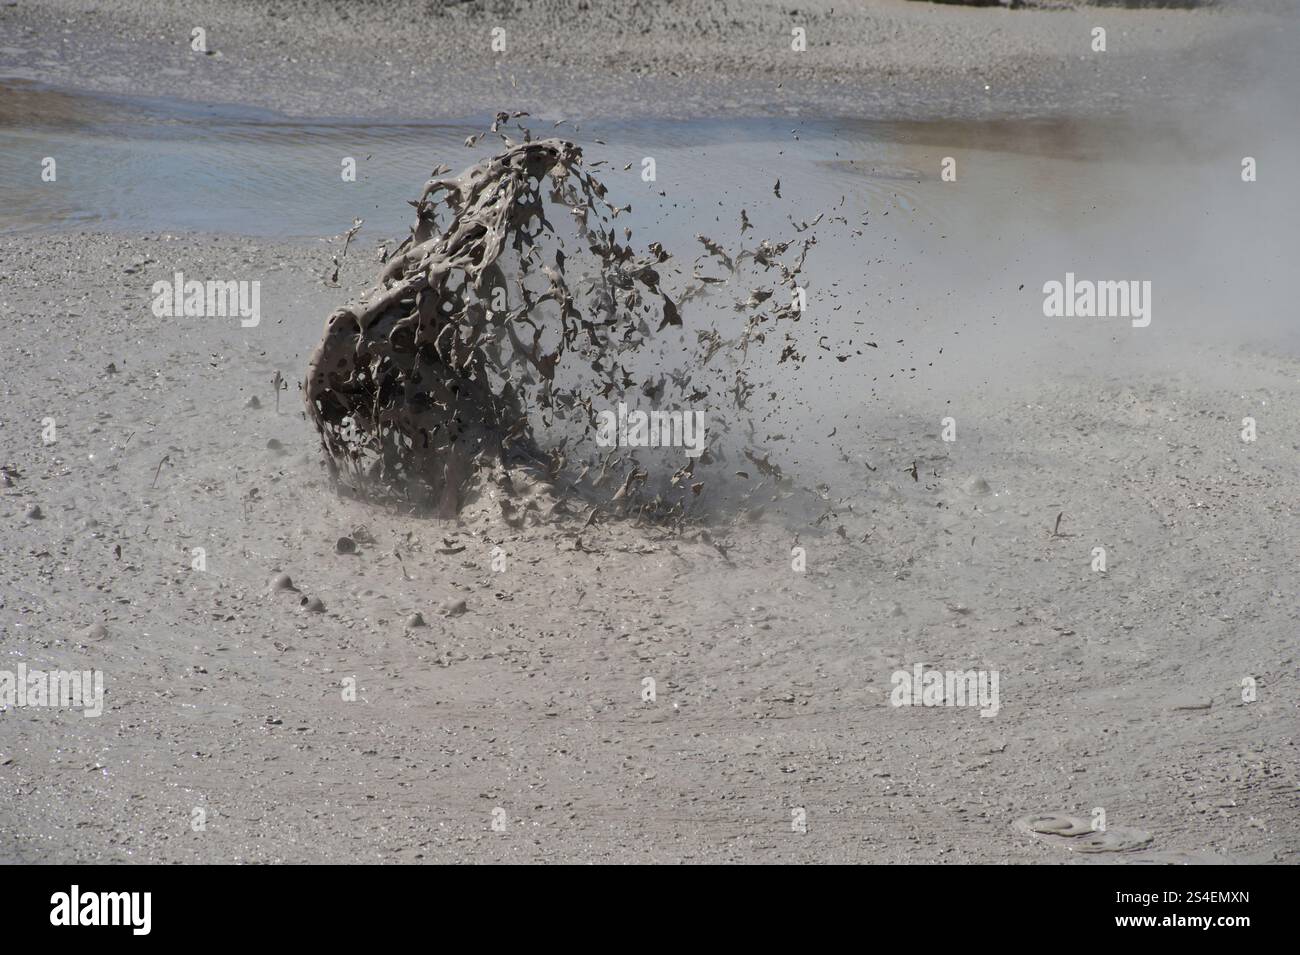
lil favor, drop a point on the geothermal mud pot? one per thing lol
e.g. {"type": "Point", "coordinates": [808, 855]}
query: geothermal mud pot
{"type": "Point", "coordinates": [440, 372]}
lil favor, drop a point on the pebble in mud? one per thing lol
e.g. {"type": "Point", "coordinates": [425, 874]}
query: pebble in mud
{"type": "Point", "coordinates": [34, 513]}
{"type": "Point", "coordinates": [345, 545]}
{"type": "Point", "coordinates": [415, 620]}
{"type": "Point", "coordinates": [282, 582]}
{"type": "Point", "coordinates": [453, 607]}
{"type": "Point", "coordinates": [313, 605]}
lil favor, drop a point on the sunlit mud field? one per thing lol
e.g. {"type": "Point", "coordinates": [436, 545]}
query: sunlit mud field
{"type": "Point", "coordinates": [581, 483]}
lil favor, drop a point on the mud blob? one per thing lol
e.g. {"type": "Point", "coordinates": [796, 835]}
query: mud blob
{"type": "Point", "coordinates": [281, 582]}
{"type": "Point", "coordinates": [411, 389]}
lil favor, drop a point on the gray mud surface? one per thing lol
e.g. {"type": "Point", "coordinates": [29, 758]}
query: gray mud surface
{"type": "Point", "coordinates": [499, 663]}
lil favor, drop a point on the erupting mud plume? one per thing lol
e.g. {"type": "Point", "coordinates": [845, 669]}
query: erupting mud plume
{"type": "Point", "coordinates": [434, 374]}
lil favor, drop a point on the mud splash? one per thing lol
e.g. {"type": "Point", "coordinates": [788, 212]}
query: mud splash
{"type": "Point", "coordinates": [435, 375]}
